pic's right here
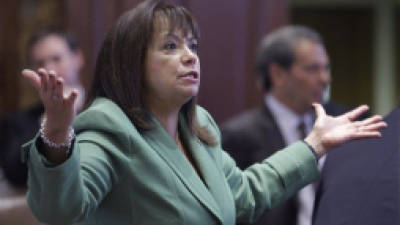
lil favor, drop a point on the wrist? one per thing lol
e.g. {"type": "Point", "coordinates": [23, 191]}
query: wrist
{"type": "Point", "coordinates": [317, 157]}
{"type": "Point", "coordinates": [52, 126]}
{"type": "Point", "coordinates": [315, 144]}
{"type": "Point", "coordinates": [56, 138]}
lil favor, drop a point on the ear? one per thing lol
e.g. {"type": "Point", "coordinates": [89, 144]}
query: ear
{"type": "Point", "coordinates": [278, 75]}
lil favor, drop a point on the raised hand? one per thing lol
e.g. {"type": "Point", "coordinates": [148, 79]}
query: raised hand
{"type": "Point", "coordinates": [329, 132]}
{"type": "Point", "coordinates": [59, 108]}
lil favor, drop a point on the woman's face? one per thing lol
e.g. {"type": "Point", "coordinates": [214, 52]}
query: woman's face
{"type": "Point", "coordinates": [172, 66]}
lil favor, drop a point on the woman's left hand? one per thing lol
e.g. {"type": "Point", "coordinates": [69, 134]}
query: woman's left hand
{"type": "Point", "coordinates": [329, 132]}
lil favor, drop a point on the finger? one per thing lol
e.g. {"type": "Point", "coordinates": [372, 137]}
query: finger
{"type": "Point", "coordinates": [353, 114]}
{"type": "Point", "coordinates": [373, 127]}
{"type": "Point", "coordinates": [59, 88]}
{"type": "Point", "coordinates": [319, 110]}
{"type": "Point", "coordinates": [72, 97]}
{"type": "Point", "coordinates": [32, 77]}
{"type": "Point", "coordinates": [367, 134]}
{"type": "Point", "coordinates": [52, 83]}
{"type": "Point", "coordinates": [44, 79]}
{"type": "Point", "coordinates": [373, 119]}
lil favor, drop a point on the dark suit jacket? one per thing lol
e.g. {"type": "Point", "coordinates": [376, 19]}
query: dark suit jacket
{"type": "Point", "coordinates": [360, 181]}
{"type": "Point", "coordinates": [15, 130]}
{"type": "Point", "coordinates": [254, 136]}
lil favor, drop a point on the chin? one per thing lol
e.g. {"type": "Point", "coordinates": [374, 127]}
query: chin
{"type": "Point", "coordinates": [187, 96]}
{"type": "Point", "coordinates": [191, 92]}
{"type": "Point", "coordinates": [318, 99]}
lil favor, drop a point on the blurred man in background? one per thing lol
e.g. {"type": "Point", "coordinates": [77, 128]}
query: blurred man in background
{"type": "Point", "coordinates": [294, 68]}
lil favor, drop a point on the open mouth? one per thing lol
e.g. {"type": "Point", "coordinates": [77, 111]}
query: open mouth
{"type": "Point", "coordinates": [191, 74]}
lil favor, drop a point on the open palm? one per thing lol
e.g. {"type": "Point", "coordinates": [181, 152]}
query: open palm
{"type": "Point", "coordinates": [59, 109]}
{"type": "Point", "coordinates": [329, 132]}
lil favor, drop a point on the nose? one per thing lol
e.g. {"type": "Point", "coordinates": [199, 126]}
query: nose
{"type": "Point", "coordinates": [325, 76]}
{"type": "Point", "coordinates": [189, 57]}
{"type": "Point", "coordinates": [49, 65]}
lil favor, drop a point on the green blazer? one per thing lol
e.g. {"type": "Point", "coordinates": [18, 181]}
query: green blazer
{"type": "Point", "coordinates": [118, 175]}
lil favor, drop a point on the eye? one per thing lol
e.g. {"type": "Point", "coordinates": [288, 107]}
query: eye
{"type": "Point", "coordinates": [316, 68]}
{"type": "Point", "coordinates": [328, 68]}
{"type": "Point", "coordinates": [56, 58]}
{"type": "Point", "coordinates": [312, 69]}
{"type": "Point", "coordinates": [170, 46]}
{"type": "Point", "coordinates": [194, 47]}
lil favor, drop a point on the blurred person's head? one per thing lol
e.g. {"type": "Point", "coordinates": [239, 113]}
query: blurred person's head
{"type": "Point", "coordinates": [294, 67]}
{"type": "Point", "coordinates": [57, 50]}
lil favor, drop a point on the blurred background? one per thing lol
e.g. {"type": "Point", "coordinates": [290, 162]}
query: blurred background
{"type": "Point", "coordinates": [360, 35]}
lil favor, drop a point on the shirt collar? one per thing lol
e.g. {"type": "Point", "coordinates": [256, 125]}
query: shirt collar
{"type": "Point", "coordinates": [287, 119]}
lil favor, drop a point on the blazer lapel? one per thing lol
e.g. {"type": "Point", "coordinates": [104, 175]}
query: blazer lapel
{"type": "Point", "coordinates": [213, 177]}
{"type": "Point", "coordinates": [162, 143]}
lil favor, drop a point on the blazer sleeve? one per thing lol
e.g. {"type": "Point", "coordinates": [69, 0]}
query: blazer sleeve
{"type": "Point", "coordinates": [265, 185]}
{"type": "Point", "coordinates": [71, 191]}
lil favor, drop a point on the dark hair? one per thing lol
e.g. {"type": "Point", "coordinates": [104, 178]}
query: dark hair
{"type": "Point", "coordinates": [279, 47]}
{"type": "Point", "coordinates": [120, 66]}
{"type": "Point", "coordinates": [45, 32]}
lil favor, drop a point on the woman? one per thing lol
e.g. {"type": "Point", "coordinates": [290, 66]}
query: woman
{"type": "Point", "coordinates": [144, 153]}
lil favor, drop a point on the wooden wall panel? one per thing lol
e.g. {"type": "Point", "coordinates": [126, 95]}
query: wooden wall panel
{"type": "Point", "coordinates": [90, 21]}
{"type": "Point", "coordinates": [18, 18]}
{"type": "Point", "coordinates": [223, 55]}
{"type": "Point", "coordinates": [264, 17]}
{"type": "Point", "coordinates": [9, 89]}
{"type": "Point", "coordinates": [81, 20]}
{"type": "Point", "coordinates": [231, 30]}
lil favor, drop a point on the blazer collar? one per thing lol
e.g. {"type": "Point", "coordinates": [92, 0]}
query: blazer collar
{"type": "Point", "coordinates": [163, 144]}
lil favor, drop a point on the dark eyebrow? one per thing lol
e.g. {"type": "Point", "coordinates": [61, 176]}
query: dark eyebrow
{"type": "Point", "coordinates": [176, 37]}
{"type": "Point", "coordinates": [172, 36]}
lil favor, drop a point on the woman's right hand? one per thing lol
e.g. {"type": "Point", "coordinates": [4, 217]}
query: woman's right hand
{"type": "Point", "coordinates": [59, 108]}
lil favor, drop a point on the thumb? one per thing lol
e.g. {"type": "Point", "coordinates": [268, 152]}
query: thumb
{"type": "Point", "coordinates": [33, 77]}
{"type": "Point", "coordinates": [319, 110]}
